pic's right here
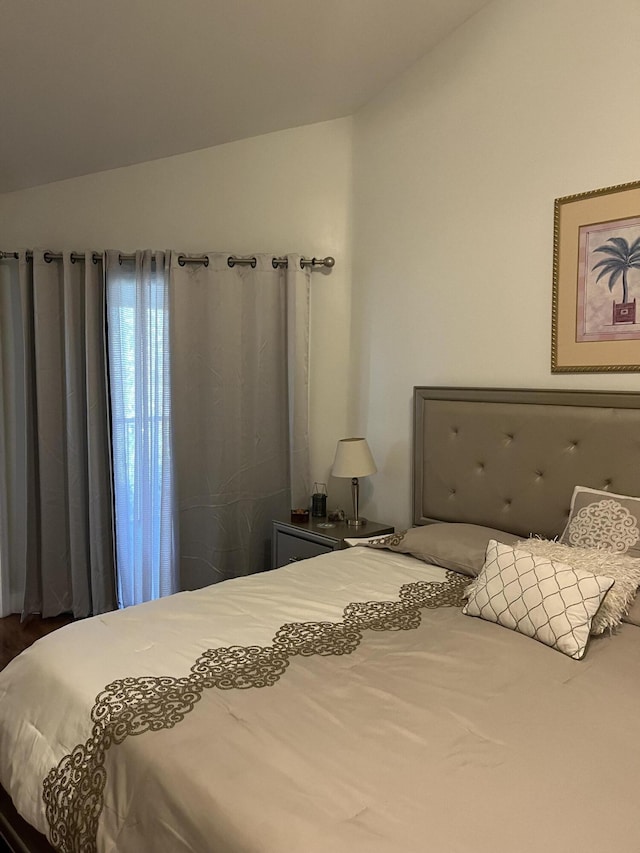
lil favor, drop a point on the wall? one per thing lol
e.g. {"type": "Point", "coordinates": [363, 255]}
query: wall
{"type": "Point", "coordinates": [456, 168]}
{"type": "Point", "coordinates": [284, 191]}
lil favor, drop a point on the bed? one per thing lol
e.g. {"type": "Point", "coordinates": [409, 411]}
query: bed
{"type": "Point", "coordinates": [347, 703]}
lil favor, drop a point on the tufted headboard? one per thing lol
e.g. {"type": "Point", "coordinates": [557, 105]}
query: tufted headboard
{"type": "Point", "coordinates": [509, 458]}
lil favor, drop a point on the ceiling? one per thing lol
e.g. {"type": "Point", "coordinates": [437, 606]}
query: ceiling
{"type": "Point", "coordinates": [88, 85]}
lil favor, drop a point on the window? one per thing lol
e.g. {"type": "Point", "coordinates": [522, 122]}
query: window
{"type": "Point", "coordinates": [138, 335]}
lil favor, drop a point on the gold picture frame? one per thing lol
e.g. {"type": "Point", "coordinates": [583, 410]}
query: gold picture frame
{"type": "Point", "coordinates": [596, 261]}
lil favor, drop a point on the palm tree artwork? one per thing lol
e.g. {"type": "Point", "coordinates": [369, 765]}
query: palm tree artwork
{"type": "Point", "coordinates": [621, 256]}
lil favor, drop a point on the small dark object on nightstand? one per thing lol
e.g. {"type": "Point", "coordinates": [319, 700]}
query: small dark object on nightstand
{"type": "Point", "coordinates": [299, 515]}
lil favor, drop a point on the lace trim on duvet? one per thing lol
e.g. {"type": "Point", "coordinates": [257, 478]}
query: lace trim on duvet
{"type": "Point", "coordinates": [73, 792]}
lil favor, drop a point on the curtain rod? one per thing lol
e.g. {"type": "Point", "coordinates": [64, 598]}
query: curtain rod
{"type": "Point", "coordinates": [232, 260]}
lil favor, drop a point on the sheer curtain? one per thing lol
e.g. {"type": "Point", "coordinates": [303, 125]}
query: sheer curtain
{"type": "Point", "coordinates": [139, 360]}
{"type": "Point", "coordinates": [56, 534]}
{"type": "Point", "coordinates": [240, 341]}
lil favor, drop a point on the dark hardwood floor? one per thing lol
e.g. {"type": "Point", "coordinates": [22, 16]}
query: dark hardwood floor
{"type": "Point", "coordinates": [16, 636]}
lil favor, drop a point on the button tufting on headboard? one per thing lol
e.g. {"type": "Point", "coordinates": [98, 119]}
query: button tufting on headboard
{"type": "Point", "coordinates": [534, 446]}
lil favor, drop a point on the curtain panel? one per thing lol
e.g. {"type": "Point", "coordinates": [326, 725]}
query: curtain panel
{"type": "Point", "coordinates": [240, 353]}
{"type": "Point", "coordinates": [139, 360]}
{"type": "Point", "coordinates": [205, 416]}
{"type": "Point", "coordinates": [56, 528]}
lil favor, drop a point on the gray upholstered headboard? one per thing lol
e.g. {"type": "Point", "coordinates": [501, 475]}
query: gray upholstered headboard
{"type": "Point", "coordinates": [509, 458]}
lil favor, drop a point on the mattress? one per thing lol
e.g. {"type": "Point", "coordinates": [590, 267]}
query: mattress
{"type": "Point", "coordinates": [343, 703]}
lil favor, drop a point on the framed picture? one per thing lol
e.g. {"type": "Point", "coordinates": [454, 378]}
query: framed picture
{"type": "Point", "coordinates": [596, 281]}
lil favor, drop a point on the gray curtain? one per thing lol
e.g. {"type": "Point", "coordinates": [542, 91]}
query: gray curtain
{"type": "Point", "coordinates": [55, 477]}
{"type": "Point", "coordinates": [240, 340]}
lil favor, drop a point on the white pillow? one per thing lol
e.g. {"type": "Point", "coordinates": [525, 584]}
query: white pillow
{"type": "Point", "coordinates": [623, 569]}
{"type": "Point", "coordinates": [538, 597]}
{"type": "Point", "coordinates": [599, 519]}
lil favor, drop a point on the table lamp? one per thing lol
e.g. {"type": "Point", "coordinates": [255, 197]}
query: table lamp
{"type": "Point", "coordinates": [353, 459]}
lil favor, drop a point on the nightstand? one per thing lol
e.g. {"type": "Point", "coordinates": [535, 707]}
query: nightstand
{"type": "Point", "coordinates": [297, 540]}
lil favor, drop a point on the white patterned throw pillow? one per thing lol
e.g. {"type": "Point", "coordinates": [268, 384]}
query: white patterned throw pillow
{"type": "Point", "coordinates": [538, 597]}
{"type": "Point", "coordinates": [599, 519]}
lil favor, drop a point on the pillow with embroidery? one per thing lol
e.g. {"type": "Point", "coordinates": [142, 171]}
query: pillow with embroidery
{"type": "Point", "coordinates": [599, 519]}
{"type": "Point", "coordinates": [546, 600]}
{"type": "Point", "coordinates": [625, 571]}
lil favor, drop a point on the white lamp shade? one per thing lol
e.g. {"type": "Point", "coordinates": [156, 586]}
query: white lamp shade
{"type": "Point", "coordinates": [353, 459]}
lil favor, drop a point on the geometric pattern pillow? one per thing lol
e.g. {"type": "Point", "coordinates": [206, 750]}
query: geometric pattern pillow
{"type": "Point", "coordinates": [599, 519]}
{"type": "Point", "coordinates": [624, 570]}
{"type": "Point", "coordinates": [538, 597]}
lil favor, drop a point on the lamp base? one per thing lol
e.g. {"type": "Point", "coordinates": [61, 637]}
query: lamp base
{"type": "Point", "coordinates": [356, 522]}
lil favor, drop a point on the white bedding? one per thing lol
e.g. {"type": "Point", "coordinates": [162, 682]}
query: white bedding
{"type": "Point", "coordinates": [71, 666]}
{"type": "Point", "coordinates": [449, 734]}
